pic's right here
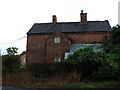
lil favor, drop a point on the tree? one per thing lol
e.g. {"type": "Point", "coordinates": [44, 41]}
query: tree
{"type": "Point", "coordinates": [90, 64]}
{"type": "Point", "coordinates": [115, 35]}
{"type": "Point", "coordinates": [112, 44]}
{"type": "Point", "coordinates": [11, 60]}
{"type": "Point", "coordinates": [12, 50]}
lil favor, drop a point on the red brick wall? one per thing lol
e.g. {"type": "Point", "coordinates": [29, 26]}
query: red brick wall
{"type": "Point", "coordinates": [41, 47]}
{"type": "Point", "coordinates": [56, 49]}
{"type": "Point", "coordinates": [84, 37]}
{"type": "Point", "coordinates": [36, 48]}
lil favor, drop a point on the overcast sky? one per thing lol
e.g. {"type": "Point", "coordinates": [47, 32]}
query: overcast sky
{"type": "Point", "coordinates": [18, 16]}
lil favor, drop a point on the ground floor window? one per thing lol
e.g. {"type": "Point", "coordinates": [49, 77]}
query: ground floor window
{"type": "Point", "coordinates": [57, 58]}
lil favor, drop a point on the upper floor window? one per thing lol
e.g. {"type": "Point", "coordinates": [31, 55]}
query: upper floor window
{"type": "Point", "coordinates": [57, 40]}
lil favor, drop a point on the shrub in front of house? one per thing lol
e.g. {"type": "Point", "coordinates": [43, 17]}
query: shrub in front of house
{"type": "Point", "coordinates": [46, 70]}
{"type": "Point", "coordinates": [109, 70]}
{"type": "Point", "coordinates": [93, 65]}
{"type": "Point", "coordinates": [10, 63]}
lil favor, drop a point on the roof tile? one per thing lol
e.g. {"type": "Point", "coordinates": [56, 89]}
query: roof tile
{"type": "Point", "coordinates": [91, 26]}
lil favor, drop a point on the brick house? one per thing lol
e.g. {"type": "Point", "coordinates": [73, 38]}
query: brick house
{"type": "Point", "coordinates": [48, 42]}
{"type": "Point", "coordinates": [22, 58]}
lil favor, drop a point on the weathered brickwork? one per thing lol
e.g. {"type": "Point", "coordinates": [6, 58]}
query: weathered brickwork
{"type": "Point", "coordinates": [48, 42]}
{"type": "Point", "coordinates": [42, 48]}
{"type": "Point", "coordinates": [56, 49]}
{"type": "Point", "coordinates": [36, 48]}
{"type": "Point", "coordinates": [87, 37]}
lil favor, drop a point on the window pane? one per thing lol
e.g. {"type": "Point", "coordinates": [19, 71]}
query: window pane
{"type": "Point", "coordinates": [57, 40]}
{"type": "Point", "coordinates": [57, 58]}
{"type": "Point", "coordinates": [23, 59]}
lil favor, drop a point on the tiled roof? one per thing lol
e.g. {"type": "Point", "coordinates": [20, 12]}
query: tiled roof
{"type": "Point", "coordinates": [91, 26]}
{"type": "Point", "coordinates": [23, 53]}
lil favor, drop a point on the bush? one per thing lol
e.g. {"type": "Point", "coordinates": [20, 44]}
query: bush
{"type": "Point", "coordinates": [22, 66]}
{"type": "Point", "coordinates": [108, 71]}
{"type": "Point", "coordinates": [93, 64]}
{"type": "Point", "coordinates": [86, 60]}
{"type": "Point", "coordinates": [111, 45]}
{"type": "Point", "coordinates": [10, 63]}
{"type": "Point", "coordinates": [49, 69]}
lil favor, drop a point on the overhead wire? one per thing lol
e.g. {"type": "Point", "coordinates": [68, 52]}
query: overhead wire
{"type": "Point", "coordinates": [14, 40]}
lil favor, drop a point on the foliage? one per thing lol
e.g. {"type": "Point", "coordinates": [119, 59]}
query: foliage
{"type": "Point", "coordinates": [109, 70]}
{"type": "Point", "coordinates": [22, 66]}
{"type": "Point", "coordinates": [112, 44]}
{"type": "Point", "coordinates": [49, 69]}
{"type": "Point", "coordinates": [115, 35]}
{"type": "Point", "coordinates": [12, 50]}
{"type": "Point", "coordinates": [10, 61]}
{"type": "Point", "coordinates": [100, 65]}
{"type": "Point", "coordinates": [88, 63]}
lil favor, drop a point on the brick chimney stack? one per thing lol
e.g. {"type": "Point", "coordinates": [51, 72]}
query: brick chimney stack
{"type": "Point", "coordinates": [83, 17]}
{"type": "Point", "coordinates": [54, 19]}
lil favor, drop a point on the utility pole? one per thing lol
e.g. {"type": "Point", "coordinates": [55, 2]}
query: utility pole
{"type": "Point", "coordinates": [119, 13]}
{"type": "Point", "coordinates": [0, 70]}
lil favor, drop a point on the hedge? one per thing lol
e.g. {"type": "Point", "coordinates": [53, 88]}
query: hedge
{"type": "Point", "coordinates": [49, 69]}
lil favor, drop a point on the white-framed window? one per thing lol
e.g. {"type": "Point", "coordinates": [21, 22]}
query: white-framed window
{"type": "Point", "coordinates": [57, 40]}
{"type": "Point", "coordinates": [57, 58]}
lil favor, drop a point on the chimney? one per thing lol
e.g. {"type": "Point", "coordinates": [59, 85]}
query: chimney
{"type": "Point", "coordinates": [83, 17]}
{"type": "Point", "coordinates": [54, 19]}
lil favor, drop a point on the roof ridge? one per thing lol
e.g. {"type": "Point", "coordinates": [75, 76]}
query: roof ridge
{"type": "Point", "coordinates": [70, 22]}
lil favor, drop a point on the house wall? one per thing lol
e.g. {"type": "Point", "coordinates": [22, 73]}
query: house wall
{"type": "Point", "coordinates": [56, 49]}
{"type": "Point", "coordinates": [86, 37]}
{"type": "Point", "coordinates": [36, 48]}
{"type": "Point", "coordinates": [41, 47]}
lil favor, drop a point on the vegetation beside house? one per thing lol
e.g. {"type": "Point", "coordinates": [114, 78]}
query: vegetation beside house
{"type": "Point", "coordinates": [45, 38]}
{"type": "Point", "coordinates": [10, 61]}
{"type": "Point", "coordinates": [85, 68]}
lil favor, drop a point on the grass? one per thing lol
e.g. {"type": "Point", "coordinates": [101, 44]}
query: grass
{"type": "Point", "coordinates": [24, 80]}
{"type": "Point", "coordinates": [107, 84]}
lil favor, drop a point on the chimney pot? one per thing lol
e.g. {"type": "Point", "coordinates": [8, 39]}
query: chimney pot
{"type": "Point", "coordinates": [54, 19]}
{"type": "Point", "coordinates": [81, 11]}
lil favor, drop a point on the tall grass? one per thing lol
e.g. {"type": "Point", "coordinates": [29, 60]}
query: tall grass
{"type": "Point", "coordinates": [14, 79]}
{"type": "Point", "coordinates": [26, 79]}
